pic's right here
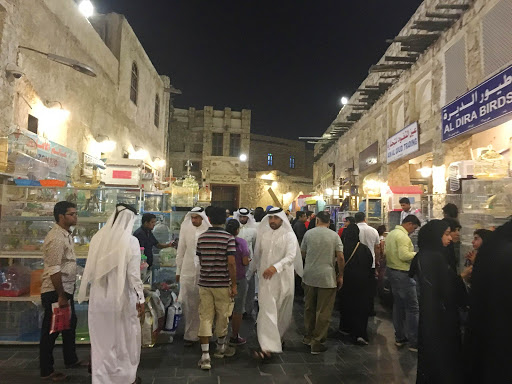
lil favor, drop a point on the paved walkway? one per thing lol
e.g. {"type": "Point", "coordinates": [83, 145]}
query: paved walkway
{"type": "Point", "coordinates": [379, 362]}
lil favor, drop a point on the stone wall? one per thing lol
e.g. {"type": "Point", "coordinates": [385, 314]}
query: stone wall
{"type": "Point", "coordinates": [95, 105]}
{"type": "Point", "coordinates": [281, 150]}
{"type": "Point", "coordinates": [417, 95]}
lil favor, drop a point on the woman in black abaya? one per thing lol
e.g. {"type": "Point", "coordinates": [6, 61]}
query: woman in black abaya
{"type": "Point", "coordinates": [442, 292]}
{"type": "Point", "coordinates": [356, 286]}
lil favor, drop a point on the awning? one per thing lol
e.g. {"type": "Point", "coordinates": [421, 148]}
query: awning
{"type": "Point", "coordinates": [406, 190]}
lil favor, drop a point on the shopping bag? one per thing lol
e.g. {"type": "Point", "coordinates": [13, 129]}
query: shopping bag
{"type": "Point", "coordinates": [61, 318]}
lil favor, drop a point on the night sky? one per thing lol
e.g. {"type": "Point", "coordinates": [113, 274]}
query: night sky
{"type": "Point", "coordinates": [288, 61]}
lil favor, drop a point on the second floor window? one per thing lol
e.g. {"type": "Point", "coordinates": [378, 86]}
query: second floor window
{"type": "Point", "coordinates": [157, 111]}
{"type": "Point", "coordinates": [134, 85]}
{"type": "Point", "coordinates": [217, 144]}
{"type": "Point", "coordinates": [292, 162]}
{"type": "Point", "coordinates": [270, 159]}
{"type": "Point", "coordinates": [234, 145]}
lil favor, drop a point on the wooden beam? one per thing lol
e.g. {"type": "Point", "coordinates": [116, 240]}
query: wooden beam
{"type": "Point", "coordinates": [388, 67]}
{"type": "Point", "coordinates": [418, 37]}
{"type": "Point", "coordinates": [462, 7]}
{"type": "Point", "coordinates": [412, 49]}
{"type": "Point", "coordinates": [392, 76]}
{"type": "Point", "coordinates": [404, 59]}
{"type": "Point", "coordinates": [439, 15]}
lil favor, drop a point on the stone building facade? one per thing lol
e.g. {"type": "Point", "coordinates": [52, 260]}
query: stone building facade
{"type": "Point", "coordinates": [284, 166]}
{"type": "Point", "coordinates": [210, 142]}
{"type": "Point", "coordinates": [127, 102]}
{"type": "Point", "coordinates": [446, 49]}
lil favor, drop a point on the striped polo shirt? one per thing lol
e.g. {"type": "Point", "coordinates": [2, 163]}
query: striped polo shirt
{"type": "Point", "coordinates": [213, 248]}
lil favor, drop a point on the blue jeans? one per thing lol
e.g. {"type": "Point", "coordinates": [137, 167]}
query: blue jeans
{"type": "Point", "coordinates": [406, 310]}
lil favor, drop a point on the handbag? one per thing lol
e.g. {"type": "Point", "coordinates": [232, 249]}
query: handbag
{"type": "Point", "coordinates": [353, 252]}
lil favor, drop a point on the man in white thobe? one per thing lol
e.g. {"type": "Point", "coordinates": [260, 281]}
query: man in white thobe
{"type": "Point", "coordinates": [116, 298]}
{"type": "Point", "coordinates": [248, 232]}
{"type": "Point", "coordinates": [276, 255]}
{"type": "Point", "coordinates": [187, 269]}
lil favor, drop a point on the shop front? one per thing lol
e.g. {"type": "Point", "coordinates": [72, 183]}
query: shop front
{"type": "Point", "coordinates": [410, 172]}
{"type": "Point", "coordinates": [370, 198]}
{"type": "Point", "coordinates": [476, 134]}
{"type": "Point", "coordinates": [36, 174]}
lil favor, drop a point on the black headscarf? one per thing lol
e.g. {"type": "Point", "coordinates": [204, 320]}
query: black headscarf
{"type": "Point", "coordinates": [350, 239]}
{"type": "Point", "coordinates": [431, 234]}
{"type": "Point", "coordinates": [430, 239]}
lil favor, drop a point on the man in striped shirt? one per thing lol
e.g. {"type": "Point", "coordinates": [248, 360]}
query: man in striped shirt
{"type": "Point", "coordinates": [217, 285]}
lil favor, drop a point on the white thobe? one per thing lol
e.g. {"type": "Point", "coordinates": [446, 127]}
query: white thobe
{"type": "Point", "coordinates": [189, 290]}
{"type": "Point", "coordinates": [275, 298]}
{"type": "Point", "coordinates": [115, 329]}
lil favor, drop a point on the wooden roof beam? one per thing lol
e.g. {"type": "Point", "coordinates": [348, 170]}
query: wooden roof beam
{"type": "Point", "coordinates": [432, 25]}
{"type": "Point", "coordinates": [403, 59]}
{"type": "Point", "coordinates": [416, 37]}
{"type": "Point", "coordinates": [439, 15]}
{"type": "Point", "coordinates": [389, 67]}
{"type": "Point", "coordinates": [460, 7]}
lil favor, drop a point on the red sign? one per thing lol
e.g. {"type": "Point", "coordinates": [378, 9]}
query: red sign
{"type": "Point", "coordinates": [121, 174]}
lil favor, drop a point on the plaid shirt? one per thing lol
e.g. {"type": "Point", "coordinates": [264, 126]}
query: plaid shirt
{"type": "Point", "coordinates": [59, 256]}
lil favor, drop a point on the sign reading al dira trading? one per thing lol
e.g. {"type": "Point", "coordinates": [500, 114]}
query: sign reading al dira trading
{"type": "Point", "coordinates": [486, 102]}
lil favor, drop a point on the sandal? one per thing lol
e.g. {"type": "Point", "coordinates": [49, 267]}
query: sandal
{"type": "Point", "coordinates": [55, 377]}
{"type": "Point", "coordinates": [258, 354]}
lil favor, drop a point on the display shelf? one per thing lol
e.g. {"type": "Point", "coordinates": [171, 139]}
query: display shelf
{"type": "Point", "coordinates": [81, 219]}
{"type": "Point", "coordinates": [24, 223]}
{"type": "Point", "coordinates": [36, 299]}
{"type": "Point", "coordinates": [33, 255]}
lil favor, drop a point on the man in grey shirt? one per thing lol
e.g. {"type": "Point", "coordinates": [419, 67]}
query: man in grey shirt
{"type": "Point", "coordinates": [321, 248]}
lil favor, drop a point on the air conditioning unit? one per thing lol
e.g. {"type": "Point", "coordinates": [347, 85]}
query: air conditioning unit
{"type": "Point", "coordinates": [459, 170]}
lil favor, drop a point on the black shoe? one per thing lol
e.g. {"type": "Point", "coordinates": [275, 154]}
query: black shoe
{"type": "Point", "coordinates": [317, 348]}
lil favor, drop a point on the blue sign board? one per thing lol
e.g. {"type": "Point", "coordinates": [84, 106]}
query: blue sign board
{"type": "Point", "coordinates": [487, 102]}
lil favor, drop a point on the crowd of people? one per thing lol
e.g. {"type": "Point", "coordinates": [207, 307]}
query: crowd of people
{"type": "Point", "coordinates": [453, 317]}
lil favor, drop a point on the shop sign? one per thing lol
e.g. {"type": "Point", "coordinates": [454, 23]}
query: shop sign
{"type": "Point", "coordinates": [61, 159]}
{"type": "Point", "coordinates": [487, 102]}
{"type": "Point", "coordinates": [403, 143]}
{"type": "Point", "coordinates": [369, 157]}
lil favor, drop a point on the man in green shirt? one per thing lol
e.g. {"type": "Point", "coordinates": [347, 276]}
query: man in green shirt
{"type": "Point", "coordinates": [399, 254]}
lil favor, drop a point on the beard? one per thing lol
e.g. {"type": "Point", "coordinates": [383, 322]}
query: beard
{"type": "Point", "coordinates": [275, 226]}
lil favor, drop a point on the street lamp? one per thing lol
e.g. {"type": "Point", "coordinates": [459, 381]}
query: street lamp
{"type": "Point", "coordinates": [243, 157]}
{"type": "Point", "coordinates": [76, 65]}
{"type": "Point", "coordinates": [86, 8]}
{"type": "Point", "coordinates": [344, 100]}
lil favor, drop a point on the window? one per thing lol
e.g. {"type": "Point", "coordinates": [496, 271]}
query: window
{"type": "Point", "coordinates": [217, 144]}
{"type": "Point", "coordinates": [157, 111]}
{"type": "Point", "coordinates": [234, 145]}
{"type": "Point", "coordinates": [292, 162]}
{"type": "Point", "coordinates": [33, 123]}
{"type": "Point", "coordinates": [269, 159]}
{"type": "Point", "coordinates": [134, 86]}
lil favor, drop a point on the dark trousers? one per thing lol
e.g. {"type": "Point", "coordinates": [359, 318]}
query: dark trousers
{"type": "Point", "coordinates": [373, 291]}
{"type": "Point", "coordinates": [47, 342]}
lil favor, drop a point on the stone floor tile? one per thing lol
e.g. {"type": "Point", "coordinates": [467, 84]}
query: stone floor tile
{"type": "Point", "coordinates": [246, 380]}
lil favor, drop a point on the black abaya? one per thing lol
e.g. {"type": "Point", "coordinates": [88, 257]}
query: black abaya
{"type": "Point", "coordinates": [356, 288]}
{"type": "Point", "coordinates": [489, 334]}
{"type": "Point", "coordinates": [442, 292]}
{"type": "Point", "coordinates": [355, 292]}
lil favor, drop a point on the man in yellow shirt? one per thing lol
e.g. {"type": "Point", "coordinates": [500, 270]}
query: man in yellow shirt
{"type": "Point", "coordinates": [399, 254]}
